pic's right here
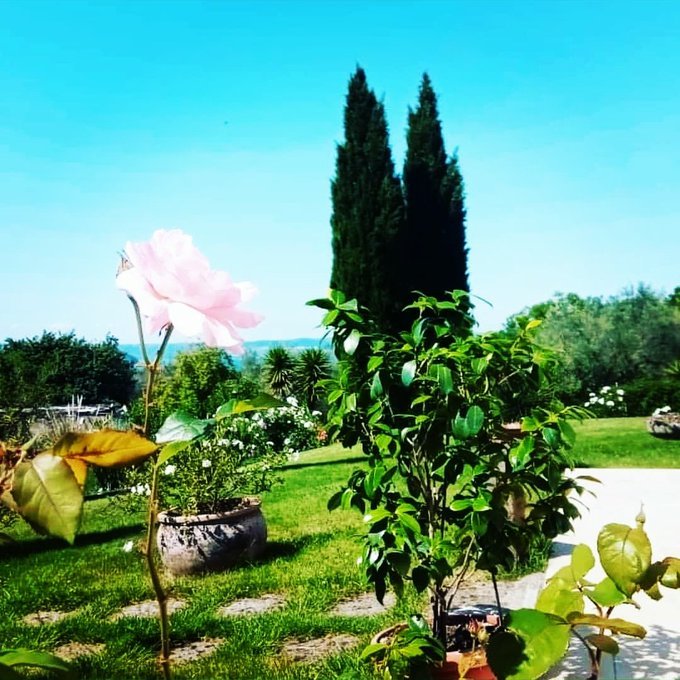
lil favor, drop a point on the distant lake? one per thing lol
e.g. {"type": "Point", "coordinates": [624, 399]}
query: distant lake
{"type": "Point", "coordinates": [259, 347]}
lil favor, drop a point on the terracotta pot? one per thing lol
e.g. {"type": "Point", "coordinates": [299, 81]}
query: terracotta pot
{"type": "Point", "coordinates": [191, 544]}
{"type": "Point", "coordinates": [449, 670]}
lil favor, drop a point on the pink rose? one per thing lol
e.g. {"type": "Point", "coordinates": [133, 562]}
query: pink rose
{"type": "Point", "coordinates": [172, 283]}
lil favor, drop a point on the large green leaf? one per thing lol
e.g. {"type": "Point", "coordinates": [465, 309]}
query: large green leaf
{"type": "Point", "coordinates": [170, 451]}
{"type": "Point", "coordinates": [606, 593]}
{"type": "Point", "coordinates": [236, 406]}
{"type": "Point", "coordinates": [352, 342]}
{"type": "Point", "coordinates": [545, 639]}
{"type": "Point", "coordinates": [48, 495]}
{"type": "Point", "coordinates": [28, 657]}
{"type": "Point", "coordinates": [671, 574]}
{"type": "Point", "coordinates": [408, 372]}
{"type": "Point", "coordinates": [181, 427]}
{"type": "Point", "coordinates": [582, 561]}
{"type": "Point", "coordinates": [615, 625]}
{"type": "Point", "coordinates": [105, 448]}
{"type": "Point", "coordinates": [559, 599]}
{"type": "Point", "coordinates": [625, 554]}
{"type": "Point", "coordinates": [474, 419]}
{"type": "Point", "coordinates": [604, 642]}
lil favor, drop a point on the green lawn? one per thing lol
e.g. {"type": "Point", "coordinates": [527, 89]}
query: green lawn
{"type": "Point", "coordinates": [310, 560]}
{"type": "Point", "coordinates": [623, 442]}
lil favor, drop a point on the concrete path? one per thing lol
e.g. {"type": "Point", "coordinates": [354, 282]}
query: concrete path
{"type": "Point", "coordinates": [618, 499]}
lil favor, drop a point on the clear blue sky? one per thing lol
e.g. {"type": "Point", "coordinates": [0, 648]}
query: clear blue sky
{"type": "Point", "coordinates": [117, 118]}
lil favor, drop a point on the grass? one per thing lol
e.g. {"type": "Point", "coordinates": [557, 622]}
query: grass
{"type": "Point", "coordinates": [623, 442]}
{"type": "Point", "coordinates": [310, 560]}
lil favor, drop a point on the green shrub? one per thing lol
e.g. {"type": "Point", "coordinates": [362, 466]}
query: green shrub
{"type": "Point", "coordinates": [645, 395]}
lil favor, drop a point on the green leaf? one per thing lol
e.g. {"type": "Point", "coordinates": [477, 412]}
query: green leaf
{"type": "Point", "coordinates": [474, 420]}
{"type": "Point", "coordinates": [233, 407]}
{"type": "Point", "coordinates": [582, 561]}
{"type": "Point", "coordinates": [376, 387]}
{"type": "Point", "coordinates": [625, 554]}
{"type": "Point", "coordinates": [181, 427]}
{"type": "Point", "coordinates": [558, 599]}
{"type": "Point", "coordinates": [671, 575]}
{"type": "Point", "coordinates": [520, 453]}
{"type": "Point", "coordinates": [480, 504]}
{"type": "Point", "coordinates": [444, 379]}
{"type": "Point", "coordinates": [409, 522]}
{"type": "Point", "coordinates": [399, 560]}
{"type": "Point", "coordinates": [460, 428]}
{"type": "Point", "coordinates": [604, 642]}
{"type": "Point", "coordinates": [352, 342]}
{"type": "Point", "coordinates": [372, 650]}
{"type": "Point", "coordinates": [420, 577]}
{"type": "Point", "coordinates": [29, 657]}
{"type": "Point", "coordinates": [606, 594]}
{"type": "Point", "coordinates": [530, 424]}
{"type": "Point", "coordinates": [567, 432]}
{"type": "Point", "coordinates": [615, 625]}
{"type": "Point", "coordinates": [545, 639]}
{"type": "Point", "coordinates": [334, 501]}
{"type": "Point", "coordinates": [170, 451]}
{"type": "Point", "coordinates": [48, 495]}
{"type": "Point", "coordinates": [408, 372]}
{"type": "Point", "coordinates": [105, 448]}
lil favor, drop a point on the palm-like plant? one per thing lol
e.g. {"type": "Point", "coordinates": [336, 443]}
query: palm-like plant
{"type": "Point", "coordinates": [279, 372]}
{"type": "Point", "coordinates": [313, 365]}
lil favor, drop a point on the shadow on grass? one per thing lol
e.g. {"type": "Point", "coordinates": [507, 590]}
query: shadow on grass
{"type": "Point", "coordinates": [287, 549]}
{"type": "Point", "coordinates": [34, 546]}
{"type": "Point", "coordinates": [339, 461]}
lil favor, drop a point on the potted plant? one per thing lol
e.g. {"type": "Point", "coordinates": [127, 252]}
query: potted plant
{"type": "Point", "coordinates": [429, 406]}
{"type": "Point", "coordinates": [212, 517]}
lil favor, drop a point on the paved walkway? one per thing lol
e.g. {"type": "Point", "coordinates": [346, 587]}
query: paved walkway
{"type": "Point", "coordinates": [618, 499]}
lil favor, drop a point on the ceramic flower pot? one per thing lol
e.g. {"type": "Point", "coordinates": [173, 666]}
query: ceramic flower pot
{"type": "Point", "coordinates": [664, 425]}
{"type": "Point", "coordinates": [192, 544]}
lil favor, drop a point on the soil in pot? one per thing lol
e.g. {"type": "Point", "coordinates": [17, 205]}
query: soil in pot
{"type": "Point", "coordinates": [192, 544]}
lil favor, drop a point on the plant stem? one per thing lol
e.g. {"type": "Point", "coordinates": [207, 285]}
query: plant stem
{"type": "Point", "coordinates": [151, 372]}
{"type": "Point", "coordinates": [594, 665]}
{"type": "Point", "coordinates": [498, 598]}
{"type": "Point", "coordinates": [161, 595]}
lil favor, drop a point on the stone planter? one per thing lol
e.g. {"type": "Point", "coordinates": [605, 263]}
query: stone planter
{"type": "Point", "coordinates": [192, 544]}
{"type": "Point", "coordinates": [665, 425]}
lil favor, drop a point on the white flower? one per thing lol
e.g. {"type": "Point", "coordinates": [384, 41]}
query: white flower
{"type": "Point", "coordinates": [620, 398]}
{"type": "Point", "coordinates": [610, 402]}
{"type": "Point", "coordinates": [665, 409]}
{"type": "Point", "coordinates": [600, 400]}
{"type": "Point", "coordinates": [620, 392]}
{"type": "Point", "coordinates": [316, 413]}
{"type": "Point", "coordinates": [128, 546]}
{"type": "Point", "coordinates": [292, 401]}
{"type": "Point", "coordinates": [169, 469]}
{"type": "Point", "coordinates": [605, 389]}
{"type": "Point", "coordinates": [286, 441]}
{"type": "Point", "coordinates": [592, 395]}
{"type": "Point", "coordinates": [206, 463]}
{"type": "Point", "coordinates": [587, 404]}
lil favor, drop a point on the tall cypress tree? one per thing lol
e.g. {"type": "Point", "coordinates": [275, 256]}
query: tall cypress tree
{"type": "Point", "coordinates": [368, 207]}
{"type": "Point", "coordinates": [433, 244]}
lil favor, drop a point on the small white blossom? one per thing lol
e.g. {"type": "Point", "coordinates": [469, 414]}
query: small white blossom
{"type": "Point", "coordinates": [620, 392]}
{"type": "Point", "coordinates": [610, 402]}
{"type": "Point", "coordinates": [605, 389]}
{"type": "Point", "coordinates": [128, 546]}
{"type": "Point", "coordinates": [206, 463]}
{"type": "Point", "coordinates": [292, 401]}
{"type": "Point", "coordinates": [169, 469]}
{"type": "Point", "coordinates": [600, 400]}
{"type": "Point", "coordinates": [587, 404]}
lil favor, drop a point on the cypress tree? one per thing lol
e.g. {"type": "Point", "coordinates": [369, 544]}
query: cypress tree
{"type": "Point", "coordinates": [368, 207]}
{"type": "Point", "coordinates": [433, 245]}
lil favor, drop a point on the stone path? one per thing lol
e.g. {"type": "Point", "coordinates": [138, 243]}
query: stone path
{"type": "Point", "coordinates": [307, 651]}
{"type": "Point", "coordinates": [253, 605]}
{"type": "Point", "coordinates": [148, 609]}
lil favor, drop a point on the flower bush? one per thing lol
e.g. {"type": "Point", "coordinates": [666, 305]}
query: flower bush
{"type": "Point", "coordinates": [240, 457]}
{"type": "Point", "coordinates": [608, 402]}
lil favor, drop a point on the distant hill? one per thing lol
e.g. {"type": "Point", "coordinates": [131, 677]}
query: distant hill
{"type": "Point", "coordinates": [260, 347]}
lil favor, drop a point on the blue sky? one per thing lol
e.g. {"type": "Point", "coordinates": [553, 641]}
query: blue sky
{"type": "Point", "coordinates": [221, 118]}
